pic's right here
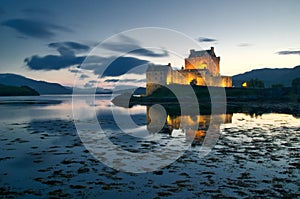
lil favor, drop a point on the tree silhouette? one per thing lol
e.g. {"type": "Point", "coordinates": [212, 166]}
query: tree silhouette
{"type": "Point", "coordinates": [255, 83]}
{"type": "Point", "coordinates": [296, 82]}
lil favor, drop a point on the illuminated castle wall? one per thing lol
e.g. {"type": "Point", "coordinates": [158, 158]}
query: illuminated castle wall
{"type": "Point", "coordinates": [201, 60]}
{"type": "Point", "coordinates": [202, 68]}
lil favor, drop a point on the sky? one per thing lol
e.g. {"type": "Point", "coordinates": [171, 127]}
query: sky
{"type": "Point", "coordinates": [48, 40]}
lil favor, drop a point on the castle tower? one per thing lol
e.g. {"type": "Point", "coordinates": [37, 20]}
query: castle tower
{"type": "Point", "coordinates": [203, 60]}
{"type": "Point", "coordinates": [157, 75]}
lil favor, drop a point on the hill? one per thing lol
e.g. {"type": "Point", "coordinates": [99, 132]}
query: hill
{"type": "Point", "coordinates": [17, 91]}
{"type": "Point", "coordinates": [41, 87]}
{"type": "Point", "coordinates": [269, 76]}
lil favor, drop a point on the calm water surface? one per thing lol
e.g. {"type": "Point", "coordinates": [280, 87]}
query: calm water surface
{"type": "Point", "coordinates": [41, 154]}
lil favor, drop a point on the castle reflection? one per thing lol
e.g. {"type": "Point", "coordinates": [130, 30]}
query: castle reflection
{"type": "Point", "coordinates": [161, 120]}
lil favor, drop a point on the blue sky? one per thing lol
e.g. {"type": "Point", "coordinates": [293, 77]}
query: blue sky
{"type": "Point", "coordinates": [246, 34]}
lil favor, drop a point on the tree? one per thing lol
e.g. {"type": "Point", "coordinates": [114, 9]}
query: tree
{"type": "Point", "coordinates": [255, 83]}
{"type": "Point", "coordinates": [296, 82]}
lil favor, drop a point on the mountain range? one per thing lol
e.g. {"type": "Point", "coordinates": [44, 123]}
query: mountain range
{"type": "Point", "coordinates": [41, 87]}
{"type": "Point", "coordinates": [269, 76]}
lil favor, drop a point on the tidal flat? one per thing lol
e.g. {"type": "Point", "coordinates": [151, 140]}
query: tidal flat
{"type": "Point", "coordinates": [42, 155]}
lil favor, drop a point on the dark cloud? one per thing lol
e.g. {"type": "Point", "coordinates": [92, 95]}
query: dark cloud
{"type": "Point", "coordinates": [132, 46]}
{"type": "Point", "coordinates": [71, 45]}
{"type": "Point", "coordinates": [35, 29]}
{"type": "Point", "coordinates": [289, 52]}
{"type": "Point", "coordinates": [88, 85]}
{"type": "Point", "coordinates": [69, 48]}
{"type": "Point", "coordinates": [83, 76]}
{"type": "Point", "coordinates": [244, 45]}
{"type": "Point", "coordinates": [111, 80]}
{"type": "Point", "coordinates": [117, 66]}
{"type": "Point", "coordinates": [122, 80]}
{"type": "Point", "coordinates": [149, 53]}
{"type": "Point", "coordinates": [123, 65]}
{"type": "Point", "coordinates": [74, 70]}
{"type": "Point", "coordinates": [205, 39]}
{"type": "Point", "coordinates": [93, 81]}
{"type": "Point", "coordinates": [52, 62]}
{"type": "Point", "coordinates": [66, 59]}
{"type": "Point", "coordinates": [124, 44]}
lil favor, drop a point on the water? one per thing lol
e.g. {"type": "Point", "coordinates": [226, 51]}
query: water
{"type": "Point", "coordinates": [41, 154]}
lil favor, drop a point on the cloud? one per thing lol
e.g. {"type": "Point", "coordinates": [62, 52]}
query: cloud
{"type": "Point", "coordinates": [123, 65]}
{"type": "Point", "coordinates": [52, 62]}
{"type": "Point", "coordinates": [205, 39]}
{"type": "Point", "coordinates": [90, 84]}
{"type": "Point", "coordinates": [104, 66]}
{"type": "Point", "coordinates": [117, 66]}
{"type": "Point", "coordinates": [74, 70]}
{"type": "Point", "coordinates": [141, 80]}
{"type": "Point", "coordinates": [129, 45]}
{"type": "Point", "coordinates": [35, 29]}
{"type": "Point", "coordinates": [83, 76]}
{"type": "Point", "coordinates": [244, 45]}
{"type": "Point", "coordinates": [67, 58]}
{"type": "Point", "coordinates": [122, 80]}
{"type": "Point", "coordinates": [93, 81]}
{"type": "Point", "coordinates": [149, 53]}
{"type": "Point", "coordinates": [111, 80]}
{"type": "Point", "coordinates": [69, 47]}
{"type": "Point", "coordinates": [289, 52]}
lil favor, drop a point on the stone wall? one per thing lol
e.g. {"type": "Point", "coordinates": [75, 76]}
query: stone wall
{"type": "Point", "coordinates": [226, 81]}
{"type": "Point", "coordinates": [205, 62]}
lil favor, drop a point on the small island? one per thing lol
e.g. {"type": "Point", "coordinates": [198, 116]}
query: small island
{"type": "Point", "coordinates": [202, 74]}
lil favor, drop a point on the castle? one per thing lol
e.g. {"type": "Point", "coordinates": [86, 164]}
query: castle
{"type": "Point", "coordinates": [202, 68]}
